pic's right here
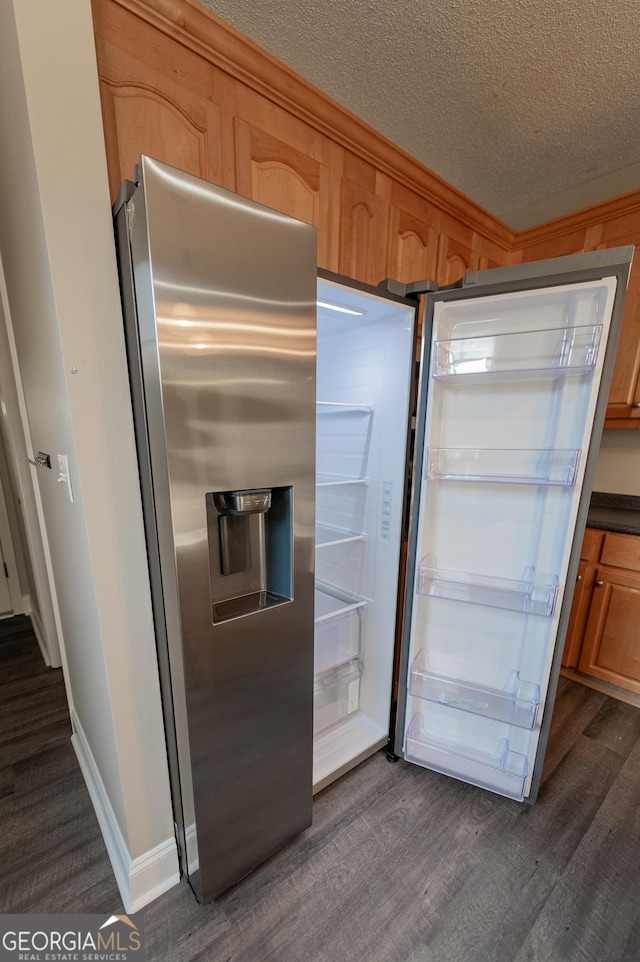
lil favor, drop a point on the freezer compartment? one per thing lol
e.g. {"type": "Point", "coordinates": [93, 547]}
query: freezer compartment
{"type": "Point", "coordinates": [531, 466]}
{"type": "Point", "coordinates": [516, 703]}
{"type": "Point", "coordinates": [535, 593]}
{"type": "Point", "coordinates": [343, 438]}
{"type": "Point", "coordinates": [337, 480]}
{"type": "Point", "coordinates": [338, 627]}
{"type": "Point", "coordinates": [520, 354]}
{"type": "Point", "coordinates": [327, 535]}
{"type": "Point", "coordinates": [336, 694]}
{"type": "Point", "coordinates": [502, 771]}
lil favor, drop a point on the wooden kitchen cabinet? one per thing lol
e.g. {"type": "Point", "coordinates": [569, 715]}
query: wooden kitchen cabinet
{"type": "Point", "coordinates": [589, 555]}
{"type": "Point", "coordinates": [603, 638]}
{"type": "Point", "coordinates": [182, 86]}
{"type": "Point", "coordinates": [578, 618]}
{"type": "Point", "coordinates": [611, 648]}
{"type": "Point", "coordinates": [613, 223]}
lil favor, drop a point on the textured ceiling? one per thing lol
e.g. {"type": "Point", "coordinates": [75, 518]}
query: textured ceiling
{"type": "Point", "coordinates": [511, 101]}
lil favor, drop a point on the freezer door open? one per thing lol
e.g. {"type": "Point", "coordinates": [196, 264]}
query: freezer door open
{"type": "Point", "coordinates": [516, 370]}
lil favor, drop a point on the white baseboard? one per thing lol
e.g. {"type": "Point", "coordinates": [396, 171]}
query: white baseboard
{"type": "Point", "coordinates": [142, 879]}
{"type": "Point", "coordinates": [37, 630]}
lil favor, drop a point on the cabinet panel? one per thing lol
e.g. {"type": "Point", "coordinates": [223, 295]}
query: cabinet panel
{"type": "Point", "coordinates": [157, 99]}
{"type": "Point", "coordinates": [290, 172]}
{"type": "Point", "coordinates": [614, 223]}
{"type": "Point", "coordinates": [413, 237]}
{"type": "Point", "coordinates": [362, 233]}
{"type": "Point", "coordinates": [611, 649]}
{"type": "Point", "coordinates": [455, 258]}
{"type": "Point", "coordinates": [621, 551]}
{"type": "Point", "coordinates": [591, 545]}
{"type": "Point", "coordinates": [625, 384]}
{"type": "Point", "coordinates": [145, 122]}
{"type": "Point", "coordinates": [578, 618]}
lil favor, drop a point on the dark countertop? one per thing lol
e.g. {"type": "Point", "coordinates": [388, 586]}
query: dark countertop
{"type": "Point", "coordinates": [614, 512]}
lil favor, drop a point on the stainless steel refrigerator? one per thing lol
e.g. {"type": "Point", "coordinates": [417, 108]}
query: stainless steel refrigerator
{"type": "Point", "coordinates": [244, 434]}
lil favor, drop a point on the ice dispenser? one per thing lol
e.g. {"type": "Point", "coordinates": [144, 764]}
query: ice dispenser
{"type": "Point", "coordinates": [250, 550]}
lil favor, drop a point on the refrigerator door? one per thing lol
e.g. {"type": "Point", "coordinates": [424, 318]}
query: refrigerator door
{"type": "Point", "coordinates": [219, 295]}
{"type": "Point", "coordinates": [516, 370]}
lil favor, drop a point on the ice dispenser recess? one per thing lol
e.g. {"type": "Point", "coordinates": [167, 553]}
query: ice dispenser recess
{"type": "Point", "coordinates": [250, 550]}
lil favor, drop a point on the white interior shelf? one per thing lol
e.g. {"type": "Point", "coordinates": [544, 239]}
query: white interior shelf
{"type": "Point", "coordinates": [338, 627]}
{"type": "Point", "coordinates": [336, 480]}
{"type": "Point", "coordinates": [327, 536]}
{"type": "Point", "coordinates": [336, 695]}
{"type": "Point", "coordinates": [502, 771]}
{"type": "Point", "coordinates": [534, 594]}
{"type": "Point", "coordinates": [516, 704]}
{"type": "Point", "coordinates": [496, 465]}
{"type": "Point", "coordinates": [557, 352]}
{"type": "Point", "coordinates": [339, 407]}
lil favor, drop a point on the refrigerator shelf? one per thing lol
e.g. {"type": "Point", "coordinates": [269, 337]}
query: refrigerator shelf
{"type": "Point", "coordinates": [327, 535]}
{"type": "Point", "coordinates": [534, 594]}
{"type": "Point", "coordinates": [335, 480]}
{"type": "Point", "coordinates": [557, 352]}
{"type": "Point", "coordinates": [336, 695]}
{"type": "Point", "coordinates": [502, 771]}
{"type": "Point", "coordinates": [516, 704]}
{"type": "Point", "coordinates": [502, 466]}
{"type": "Point", "coordinates": [338, 407]}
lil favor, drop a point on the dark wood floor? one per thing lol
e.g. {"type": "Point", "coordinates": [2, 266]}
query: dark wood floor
{"type": "Point", "coordinates": [401, 865]}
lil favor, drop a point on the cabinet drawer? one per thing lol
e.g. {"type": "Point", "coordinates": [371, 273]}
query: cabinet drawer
{"type": "Point", "coordinates": [621, 551]}
{"type": "Point", "coordinates": [591, 544]}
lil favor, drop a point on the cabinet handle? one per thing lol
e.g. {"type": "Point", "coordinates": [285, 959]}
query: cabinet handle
{"type": "Point", "coordinates": [599, 584]}
{"type": "Point", "coordinates": [579, 578]}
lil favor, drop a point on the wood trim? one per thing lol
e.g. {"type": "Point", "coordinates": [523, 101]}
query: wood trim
{"type": "Point", "coordinates": [583, 219]}
{"type": "Point", "coordinates": [215, 41]}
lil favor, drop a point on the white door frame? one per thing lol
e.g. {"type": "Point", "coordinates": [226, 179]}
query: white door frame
{"type": "Point", "coordinates": [18, 449]}
{"type": "Point", "coordinates": [19, 604]}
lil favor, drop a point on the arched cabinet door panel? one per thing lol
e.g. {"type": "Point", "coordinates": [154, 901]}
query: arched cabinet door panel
{"type": "Point", "coordinates": [158, 98]}
{"type": "Point", "coordinates": [413, 247]}
{"type": "Point", "coordinates": [144, 122]}
{"type": "Point", "coordinates": [362, 233]}
{"type": "Point", "coordinates": [287, 175]}
{"type": "Point", "coordinates": [610, 651]}
{"type": "Point", "coordinates": [455, 257]}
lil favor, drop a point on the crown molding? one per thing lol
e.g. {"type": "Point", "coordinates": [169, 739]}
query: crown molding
{"type": "Point", "coordinates": [606, 210]}
{"type": "Point", "coordinates": [201, 31]}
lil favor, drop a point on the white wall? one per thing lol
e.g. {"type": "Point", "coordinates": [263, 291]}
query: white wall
{"type": "Point", "coordinates": [56, 245]}
{"type": "Point", "coordinates": [618, 465]}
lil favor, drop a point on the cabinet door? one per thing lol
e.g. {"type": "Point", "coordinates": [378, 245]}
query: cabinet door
{"type": "Point", "coordinates": [611, 649]}
{"type": "Point", "coordinates": [290, 169]}
{"type": "Point", "coordinates": [171, 115]}
{"type": "Point", "coordinates": [624, 396]}
{"type": "Point", "coordinates": [579, 611]}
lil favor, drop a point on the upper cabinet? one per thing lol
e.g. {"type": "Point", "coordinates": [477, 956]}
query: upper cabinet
{"type": "Point", "coordinates": [183, 87]}
{"type": "Point", "coordinates": [613, 223]}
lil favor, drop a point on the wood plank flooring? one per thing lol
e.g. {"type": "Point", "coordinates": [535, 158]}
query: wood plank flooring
{"type": "Point", "coordinates": [400, 865]}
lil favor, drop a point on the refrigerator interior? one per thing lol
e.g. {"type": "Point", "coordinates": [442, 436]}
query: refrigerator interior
{"type": "Point", "coordinates": [364, 373]}
{"type": "Point", "coordinates": [510, 393]}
